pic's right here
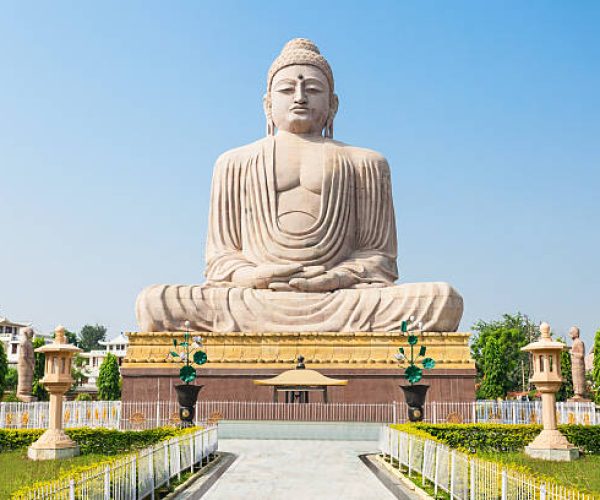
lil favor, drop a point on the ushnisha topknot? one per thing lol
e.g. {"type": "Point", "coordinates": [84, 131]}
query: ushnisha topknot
{"type": "Point", "coordinates": [300, 51]}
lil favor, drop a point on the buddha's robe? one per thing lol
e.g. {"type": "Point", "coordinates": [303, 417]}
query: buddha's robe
{"type": "Point", "coordinates": [355, 230]}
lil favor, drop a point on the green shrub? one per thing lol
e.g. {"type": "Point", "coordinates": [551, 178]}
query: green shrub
{"type": "Point", "coordinates": [101, 441]}
{"type": "Point", "coordinates": [500, 437]}
{"type": "Point", "coordinates": [12, 379]}
{"type": "Point", "coordinates": [13, 439]}
{"type": "Point", "coordinates": [84, 396]}
{"type": "Point", "coordinates": [3, 369]}
{"type": "Point", "coordinates": [10, 397]}
{"type": "Point", "coordinates": [108, 383]}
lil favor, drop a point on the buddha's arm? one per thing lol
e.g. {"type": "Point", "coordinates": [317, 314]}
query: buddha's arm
{"type": "Point", "coordinates": [223, 246]}
{"type": "Point", "coordinates": [374, 259]}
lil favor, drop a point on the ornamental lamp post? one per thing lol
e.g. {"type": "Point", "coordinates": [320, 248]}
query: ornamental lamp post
{"type": "Point", "coordinates": [190, 353]}
{"type": "Point", "coordinates": [414, 393]}
{"type": "Point", "coordinates": [54, 443]}
{"type": "Point", "coordinates": [550, 444]}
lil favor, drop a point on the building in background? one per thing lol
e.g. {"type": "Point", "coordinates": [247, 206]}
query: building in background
{"type": "Point", "coordinates": [93, 360]}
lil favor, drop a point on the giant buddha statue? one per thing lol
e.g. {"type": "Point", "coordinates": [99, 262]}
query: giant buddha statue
{"type": "Point", "coordinates": [301, 234]}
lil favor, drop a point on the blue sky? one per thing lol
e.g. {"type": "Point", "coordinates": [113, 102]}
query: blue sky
{"type": "Point", "coordinates": [112, 114]}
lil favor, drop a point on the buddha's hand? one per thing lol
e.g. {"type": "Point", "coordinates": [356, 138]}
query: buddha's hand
{"type": "Point", "coordinates": [334, 279]}
{"type": "Point", "coordinates": [262, 276]}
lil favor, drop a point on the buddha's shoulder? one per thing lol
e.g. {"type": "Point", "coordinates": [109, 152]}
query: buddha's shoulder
{"type": "Point", "coordinates": [240, 155]}
{"type": "Point", "coordinates": [358, 155]}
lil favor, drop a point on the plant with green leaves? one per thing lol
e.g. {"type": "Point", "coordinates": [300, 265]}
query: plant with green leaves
{"type": "Point", "coordinates": [38, 389]}
{"type": "Point", "coordinates": [492, 383]}
{"type": "Point", "coordinates": [109, 379]}
{"type": "Point", "coordinates": [566, 389]}
{"type": "Point", "coordinates": [412, 372]}
{"type": "Point", "coordinates": [190, 354]}
{"type": "Point", "coordinates": [511, 332]}
{"type": "Point", "coordinates": [3, 369]}
{"type": "Point", "coordinates": [596, 368]}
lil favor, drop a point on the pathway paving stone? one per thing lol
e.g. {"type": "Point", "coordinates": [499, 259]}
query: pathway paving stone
{"type": "Point", "coordinates": [289, 470]}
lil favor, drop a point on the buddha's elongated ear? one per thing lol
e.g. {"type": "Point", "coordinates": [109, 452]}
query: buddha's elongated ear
{"type": "Point", "coordinates": [267, 109]}
{"type": "Point", "coordinates": [333, 108]}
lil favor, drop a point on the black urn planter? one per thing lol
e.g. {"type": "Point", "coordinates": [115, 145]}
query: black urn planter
{"type": "Point", "coordinates": [187, 395]}
{"type": "Point", "coordinates": [415, 399]}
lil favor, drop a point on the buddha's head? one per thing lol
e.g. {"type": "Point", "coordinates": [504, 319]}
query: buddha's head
{"type": "Point", "coordinates": [574, 332]}
{"type": "Point", "coordinates": [300, 97]}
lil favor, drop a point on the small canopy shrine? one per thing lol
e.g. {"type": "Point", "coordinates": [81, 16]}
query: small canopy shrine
{"type": "Point", "coordinates": [298, 383]}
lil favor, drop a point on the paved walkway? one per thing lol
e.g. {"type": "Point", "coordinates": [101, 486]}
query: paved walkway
{"type": "Point", "coordinates": [288, 470]}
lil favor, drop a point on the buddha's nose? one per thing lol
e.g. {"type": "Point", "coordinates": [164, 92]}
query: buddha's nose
{"type": "Point", "coordinates": [300, 94]}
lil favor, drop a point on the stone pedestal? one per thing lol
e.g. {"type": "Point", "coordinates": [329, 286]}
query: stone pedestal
{"type": "Point", "coordinates": [54, 443]}
{"type": "Point", "coordinates": [578, 399]}
{"type": "Point", "coordinates": [550, 444]}
{"type": "Point", "coordinates": [365, 359]}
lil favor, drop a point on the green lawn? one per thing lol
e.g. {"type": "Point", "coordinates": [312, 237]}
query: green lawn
{"type": "Point", "coordinates": [583, 474]}
{"type": "Point", "coordinates": [16, 470]}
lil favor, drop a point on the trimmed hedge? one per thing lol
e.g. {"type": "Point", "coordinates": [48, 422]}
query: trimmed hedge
{"type": "Point", "coordinates": [500, 437]}
{"type": "Point", "coordinates": [102, 441]}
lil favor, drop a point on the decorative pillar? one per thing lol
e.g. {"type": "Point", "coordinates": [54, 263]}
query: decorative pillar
{"type": "Point", "coordinates": [54, 443]}
{"type": "Point", "coordinates": [550, 444]}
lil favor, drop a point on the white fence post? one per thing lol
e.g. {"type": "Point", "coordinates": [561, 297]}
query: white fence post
{"type": "Point", "coordinates": [437, 468]}
{"type": "Point", "coordinates": [410, 451]}
{"type": "Point", "coordinates": [107, 483]}
{"type": "Point", "coordinates": [452, 474]}
{"type": "Point", "coordinates": [72, 489]}
{"type": "Point", "coordinates": [178, 448]}
{"type": "Point", "coordinates": [134, 479]}
{"type": "Point", "coordinates": [473, 482]}
{"type": "Point", "coordinates": [504, 494]}
{"type": "Point", "coordinates": [192, 456]}
{"type": "Point", "coordinates": [166, 458]}
{"type": "Point", "coordinates": [543, 491]}
{"type": "Point", "coordinates": [151, 472]}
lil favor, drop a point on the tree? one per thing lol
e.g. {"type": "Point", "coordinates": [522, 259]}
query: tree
{"type": "Point", "coordinates": [109, 383]}
{"type": "Point", "coordinates": [12, 379]}
{"type": "Point", "coordinates": [566, 389]}
{"type": "Point", "coordinates": [493, 383]}
{"type": "Point", "coordinates": [3, 369]}
{"type": "Point", "coordinates": [77, 371]}
{"type": "Point", "coordinates": [90, 337]}
{"type": "Point", "coordinates": [596, 368]}
{"type": "Point", "coordinates": [511, 332]}
{"type": "Point", "coordinates": [38, 389]}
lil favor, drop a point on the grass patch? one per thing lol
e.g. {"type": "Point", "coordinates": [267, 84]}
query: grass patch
{"type": "Point", "coordinates": [17, 471]}
{"type": "Point", "coordinates": [583, 474]}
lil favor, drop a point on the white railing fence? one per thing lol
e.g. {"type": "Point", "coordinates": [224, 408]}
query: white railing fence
{"type": "Point", "coordinates": [509, 412]}
{"type": "Point", "coordinates": [464, 477]}
{"type": "Point", "coordinates": [136, 415]}
{"type": "Point", "coordinates": [137, 475]}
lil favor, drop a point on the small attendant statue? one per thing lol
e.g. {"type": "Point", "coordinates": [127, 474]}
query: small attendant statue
{"type": "Point", "coordinates": [25, 365]}
{"type": "Point", "coordinates": [577, 365]}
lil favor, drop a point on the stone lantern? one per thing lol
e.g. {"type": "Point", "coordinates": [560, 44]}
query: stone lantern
{"type": "Point", "coordinates": [54, 443]}
{"type": "Point", "coordinates": [550, 444]}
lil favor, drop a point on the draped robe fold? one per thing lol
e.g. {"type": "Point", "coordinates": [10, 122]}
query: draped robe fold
{"type": "Point", "coordinates": [355, 230]}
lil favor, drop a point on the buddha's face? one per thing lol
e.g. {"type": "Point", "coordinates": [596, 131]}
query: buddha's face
{"type": "Point", "coordinates": [300, 99]}
{"type": "Point", "coordinates": [574, 333]}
